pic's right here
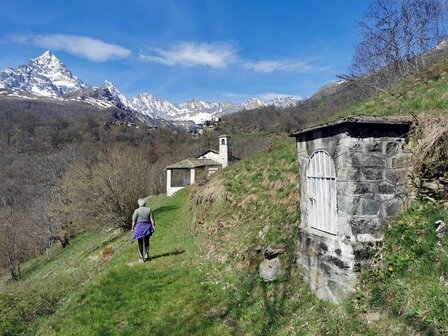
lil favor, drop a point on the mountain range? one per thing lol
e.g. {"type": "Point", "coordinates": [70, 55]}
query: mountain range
{"type": "Point", "coordinates": [47, 77]}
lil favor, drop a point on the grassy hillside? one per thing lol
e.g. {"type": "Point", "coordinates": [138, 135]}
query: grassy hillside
{"type": "Point", "coordinates": [203, 278]}
{"type": "Point", "coordinates": [253, 205]}
{"type": "Point", "coordinates": [50, 280]}
{"type": "Point", "coordinates": [187, 288]}
{"type": "Point", "coordinates": [162, 297]}
{"type": "Point", "coordinates": [423, 92]}
{"type": "Point", "coordinates": [408, 278]}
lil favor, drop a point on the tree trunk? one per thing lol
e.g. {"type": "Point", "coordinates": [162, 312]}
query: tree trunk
{"type": "Point", "coordinates": [12, 268]}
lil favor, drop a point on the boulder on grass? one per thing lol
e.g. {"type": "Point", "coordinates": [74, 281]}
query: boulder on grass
{"type": "Point", "coordinates": [270, 269]}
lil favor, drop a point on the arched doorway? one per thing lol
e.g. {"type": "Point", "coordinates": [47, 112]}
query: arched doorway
{"type": "Point", "coordinates": [321, 188]}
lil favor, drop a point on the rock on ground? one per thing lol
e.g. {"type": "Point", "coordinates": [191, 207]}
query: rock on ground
{"type": "Point", "coordinates": [270, 269]}
{"type": "Point", "coordinates": [271, 253]}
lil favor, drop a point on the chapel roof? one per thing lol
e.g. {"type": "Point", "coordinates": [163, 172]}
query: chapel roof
{"type": "Point", "coordinates": [358, 119]}
{"type": "Point", "coordinates": [208, 151]}
{"type": "Point", "coordinates": [193, 163]}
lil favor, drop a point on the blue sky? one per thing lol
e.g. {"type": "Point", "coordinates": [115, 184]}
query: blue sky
{"type": "Point", "coordinates": [181, 49]}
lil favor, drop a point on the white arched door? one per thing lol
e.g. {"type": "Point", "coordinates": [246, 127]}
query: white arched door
{"type": "Point", "coordinates": [321, 188]}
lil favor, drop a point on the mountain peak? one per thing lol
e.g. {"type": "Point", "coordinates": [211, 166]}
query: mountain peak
{"type": "Point", "coordinates": [110, 86]}
{"type": "Point", "coordinates": [114, 91]}
{"type": "Point", "coordinates": [47, 54]}
{"type": "Point", "coordinates": [147, 96]}
{"type": "Point", "coordinates": [47, 58]}
{"type": "Point", "coordinates": [48, 62]}
{"type": "Point", "coordinates": [45, 75]}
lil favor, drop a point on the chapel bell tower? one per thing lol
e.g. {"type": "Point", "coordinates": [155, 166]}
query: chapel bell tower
{"type": "Point", "coordinates": [225, 150]}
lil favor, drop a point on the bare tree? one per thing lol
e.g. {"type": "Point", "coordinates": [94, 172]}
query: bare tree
{"type": "Point", "coordinates": [104, 193]}
{"type": "Point", "coordinates": [47, 170]}
{"type": "Point", "coordinates": [12, 237]}
{"type": "Point", "coordinates": [394, 33]}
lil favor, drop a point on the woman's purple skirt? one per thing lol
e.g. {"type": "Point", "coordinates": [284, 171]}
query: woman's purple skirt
{"type": "Point", "coordinates": [142, 229]}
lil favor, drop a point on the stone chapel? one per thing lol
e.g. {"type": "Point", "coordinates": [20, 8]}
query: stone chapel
{"type": "Point", "coordinates": [186, 172]}
{"type": "Point", "coordinates": [353, 179]}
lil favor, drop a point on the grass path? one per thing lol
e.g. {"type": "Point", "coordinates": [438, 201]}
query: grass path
{"type": "Point", "coordinates": [161, 297]}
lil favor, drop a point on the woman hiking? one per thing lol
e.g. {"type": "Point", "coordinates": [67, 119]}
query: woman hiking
{"type": "Point", "coordinates": [144, 228]}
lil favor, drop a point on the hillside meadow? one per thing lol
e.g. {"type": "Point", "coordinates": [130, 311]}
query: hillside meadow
{"type": "Point", "coordinates": [203, 275]}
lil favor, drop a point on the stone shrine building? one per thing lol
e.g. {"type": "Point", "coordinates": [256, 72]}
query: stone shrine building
{"type": "Point", "coordinates": [353, 178]}
{"type": "Point", "coordinates": [186, 172]}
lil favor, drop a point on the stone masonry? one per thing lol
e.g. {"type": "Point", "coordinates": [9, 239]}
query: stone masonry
{"type": "Point", "coordinates": [372, 167]}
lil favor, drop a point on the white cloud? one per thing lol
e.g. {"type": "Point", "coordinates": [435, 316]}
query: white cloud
{"type": "Point", "coordinates": [215, 55]}
{"type": "Point", "coordinates": [82, 46]}
{"type": "Point", "coordinates": [220, 55]}
{"type": "Point", "coordinates": [268, 66]}
{"type": "Point", "coordinates": [262, 66]}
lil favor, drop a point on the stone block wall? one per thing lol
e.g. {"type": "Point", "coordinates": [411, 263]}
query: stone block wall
{"type": "Point", "coordinates": [372, 168]}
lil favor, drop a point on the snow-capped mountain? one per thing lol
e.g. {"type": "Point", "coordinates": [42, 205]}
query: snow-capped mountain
{"type": "Point", "coordinates": [252, 103]}
{"type": "Point", "coordinates": [47, 76]}
{"type": "Point", "coordinates": [196, 105]}
{"type": "Point", "coordinates": [42, 76]}
{"type": "Point", "coordinates": [149, 105]}
{"type": "Point", "coordinates": [199, 110]}
{"type": "Point", "coordinates": [285, 101]}
{"type": "Point", "coordinates": [114, 92]}
{"type": "Point", "coordinates": [108, 96]}
{"type": "Point", "coordinates": [101, 97]}
{"type": "Point", "coordinates": [229, 107]}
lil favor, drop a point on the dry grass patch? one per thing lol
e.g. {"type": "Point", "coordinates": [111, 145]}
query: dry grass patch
{"type": "Point", "coordinates": [210, 191]}
{"type": "Point", "coordinates": [432, 131]}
